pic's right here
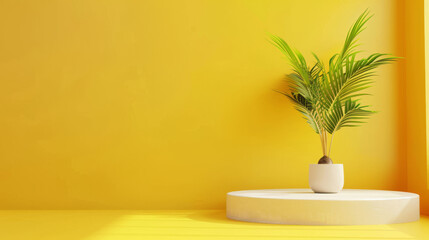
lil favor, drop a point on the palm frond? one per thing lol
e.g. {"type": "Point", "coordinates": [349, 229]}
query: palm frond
{"type": "Point", "coordinates": [350, 45]}
{"type": "Point", "coordinates": [356, 76]}
{"type": "Point", "coordinates": [351, 114]}
{"type": "Point", "coordinates": [305, 108]}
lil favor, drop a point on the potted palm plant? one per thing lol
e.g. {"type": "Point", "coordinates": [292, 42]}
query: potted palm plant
{"type": "Point", "coordinates": [328, 97]}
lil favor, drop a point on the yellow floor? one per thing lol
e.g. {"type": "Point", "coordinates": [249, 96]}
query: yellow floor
{"type": "Point", "coordinates": [195, 224]}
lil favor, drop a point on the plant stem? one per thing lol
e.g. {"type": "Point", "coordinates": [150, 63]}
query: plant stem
{"type": "Point", "coordinates": [324, 141]}
{"type": "Point", "coordinates": [325, 138]}
{"type": "Point", "coordinates": [321, 141]}
{"type": "Point", "coordinates": [330, 145]}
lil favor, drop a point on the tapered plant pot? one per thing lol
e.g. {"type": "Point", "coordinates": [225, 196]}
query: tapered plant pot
{"type": "Point", "coordinates": [326, 178]}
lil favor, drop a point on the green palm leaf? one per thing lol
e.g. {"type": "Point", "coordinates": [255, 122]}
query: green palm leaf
{"type": "Point", "coordinates": [305, 107]}
{"type": "Point", "coordinates": [351, 114]}
{"type": "Point", "coordinates": [355, 77]}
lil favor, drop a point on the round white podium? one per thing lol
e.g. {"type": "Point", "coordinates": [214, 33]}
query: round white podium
{"type": "Point", "coordinates": [303, 207]}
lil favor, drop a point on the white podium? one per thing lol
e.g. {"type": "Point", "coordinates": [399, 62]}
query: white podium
{"type": "Point", "coordinates": [303, 207]}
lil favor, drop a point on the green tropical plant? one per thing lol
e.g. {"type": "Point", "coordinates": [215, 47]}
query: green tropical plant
{"type": "Point", "coordinates": [328, 97]}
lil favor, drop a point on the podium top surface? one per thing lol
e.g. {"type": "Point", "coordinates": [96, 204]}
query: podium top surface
{"type": "Point", "coordinates": [308, 194]}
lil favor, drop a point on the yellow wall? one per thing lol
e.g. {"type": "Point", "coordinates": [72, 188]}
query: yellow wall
{"type": "Point", "coordinates": [169, 104]}
{"type": "Point", "coordinates": [416, 113]}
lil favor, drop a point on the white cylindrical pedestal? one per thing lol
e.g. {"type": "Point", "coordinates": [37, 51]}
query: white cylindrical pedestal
{"type": "Point", "coordinates": [303, 207]}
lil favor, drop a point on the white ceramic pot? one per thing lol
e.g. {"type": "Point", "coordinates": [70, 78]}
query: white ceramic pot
{"type": "Point", "coordinates": [326, 178]}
